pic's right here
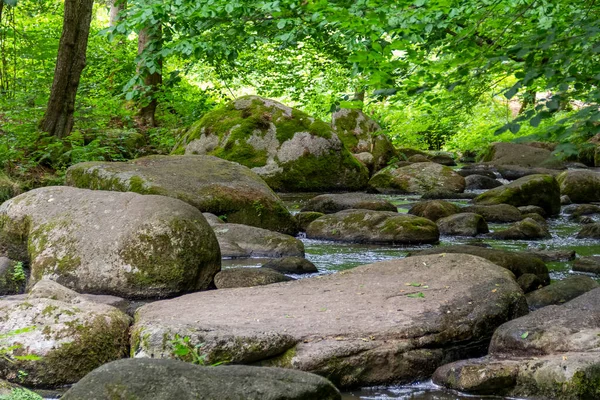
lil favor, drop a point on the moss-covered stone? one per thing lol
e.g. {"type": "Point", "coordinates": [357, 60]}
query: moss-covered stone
{"type": "Point", "coordinates": [289, 149]}
{"type": "Point", "coordinates": [417, 178]}
{"type": "Point", "coordinates": [531, 190]}
{"type": "Point", "coordinates": [580, 185]}
{"type": "Point", "coordinates": [434, 209]}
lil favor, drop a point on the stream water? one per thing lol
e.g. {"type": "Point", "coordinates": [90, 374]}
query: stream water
{"type": "Point", "coordinates": [331, 257]}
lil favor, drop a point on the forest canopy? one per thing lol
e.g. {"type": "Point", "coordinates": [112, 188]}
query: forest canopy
{"type": "Point", "coordinates": [442, 74]}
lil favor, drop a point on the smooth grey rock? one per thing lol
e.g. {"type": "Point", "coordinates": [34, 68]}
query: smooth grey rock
{"type": "Point", "coordinates": [237, 240]}
{"type": "Point", "coordinates": [332, 203]}
{"type": "Point", "coordinates": [434, 209]}
{"type": "Point", "coordinates": [291, 265]}
{"type": "Point", "coordinates": [496, 213]}
{"type": "Point", "coordinates": [417, 178]}
{"type": "Point", "coordinates": [463, 224]}
{"type": "Point", "coordinates": [478, 182]}
{"type": "Point", "coordinates": [589, 264]}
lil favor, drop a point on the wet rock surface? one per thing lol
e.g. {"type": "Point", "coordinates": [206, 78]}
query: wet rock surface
{"type": "Point", "coordinates": [332, 203]}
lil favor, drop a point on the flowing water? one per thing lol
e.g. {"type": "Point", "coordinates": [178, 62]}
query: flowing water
{"type": "Point", "coordinates": [331, 257]}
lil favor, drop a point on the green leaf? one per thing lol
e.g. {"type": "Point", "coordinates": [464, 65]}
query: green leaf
{"type": "Point", "coordinates": [524, 335]}
{"type": "Point", "coordinates": [281, 24]}
{"type": "Point", "coordinates": [419, 295]}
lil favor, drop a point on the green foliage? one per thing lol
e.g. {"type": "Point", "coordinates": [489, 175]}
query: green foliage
{"type": "Point", "coordinates": [6, 350]}
{"type": "Point", "coordinates": [18, 273]}
{"type": "Point", "coordinates": [184, 350]}
{"type": "Point", "coordinates": [21, 394]}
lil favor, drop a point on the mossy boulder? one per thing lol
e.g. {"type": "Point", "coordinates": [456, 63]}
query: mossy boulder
{"type": "Point", "coordinates": [148, 379]}
{"type": "Point", "coordinates": [590, 264]}
{"type": "Point", "coordinates": [360, 327]}
{"type": "Point", "coordinates": [417, 178]}
{"type": "Point", "coordinates": [305, 218]}
{"type": "Point", "coordinates": [496, 213]}
{"type": "Point", "coordinates": [99, 242]}
{"type": "Point", "coordinates": [462, 224]}
{"type": "Point", "coordinates": [479, 182]}
{"type": "Point", "coordinates": [501, 153]}
{"type": "Point", "coordinates": [8, 188]}
{"type": "Point", "coordinates": [532, 190]}
{"type": "Point", "coordinates": [560, 291]}
{"type": "Point", "coordinates": [361, 134]}
{"type": "Point", "coordinates": [580, 185]}
{"type": "Point", "coordinates": [526, 229]}
{"type": "Point", "coordinates": [248, 277]}
{"type": "Point", "coordinates": [434, 209]}
{"type": "Point", "coordinates": [366, 226]}
{"type": "Point", "coordinates": [332, 203]}
{"type": "Point", "coordinates": [518, 263]}
{"type": "Point", "coordinates": [289, 149]}
{"type": "Point", "coordinates": [590, 231]}
{"type": "Point", "coordinates": [70, 339]}
{"type": "Point", "coordinates": [208, 183]}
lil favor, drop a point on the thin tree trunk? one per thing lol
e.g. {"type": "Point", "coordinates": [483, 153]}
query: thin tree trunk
{"type": "Point", "coordinates": [116, 7]}
{"type": "Point", "coordinates": [58, 120]}
{"type": "Point", "coordinates": [152, 81]}
{"type": "Point", "coordinates": [528, 101]}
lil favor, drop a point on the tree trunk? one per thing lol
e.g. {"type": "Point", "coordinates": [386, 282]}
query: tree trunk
{"type": "Point", "coordinates": [58, 120]}
{"type": "Point", "coordinates": [528, 101]}
{"type": "Point", "coordinates": [152, 81]}
{"type": "Point", "coordinates": [116, 7]}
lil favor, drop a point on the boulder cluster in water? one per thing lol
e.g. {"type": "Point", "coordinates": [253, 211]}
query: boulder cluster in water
{"type": "Point", "coordinates": [148, 236]}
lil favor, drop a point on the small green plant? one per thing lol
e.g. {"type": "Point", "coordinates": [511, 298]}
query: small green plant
{"type": "Point", "coordinates": [18, 273]}
{"type": "Point", "coordinates": [259, 207]}
{"type": "Point", "coordinates": [6, 351]}
{"type": "Point", "coordinates": [184, 350]}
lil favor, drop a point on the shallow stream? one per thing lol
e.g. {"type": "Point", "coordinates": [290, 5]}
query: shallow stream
{"type": "Point", "coordinates": [331, 257]}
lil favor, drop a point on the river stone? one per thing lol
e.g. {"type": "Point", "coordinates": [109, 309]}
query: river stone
{"type": "Point", "coordinates": [367, 160]}
{"type": "Point", "coordinates": [463, 224]}
{"type": "Point", "coordinates": [445, 194]}
{"type": "Point", "coordinates": [501, 213]}
{"type": "Point", "coordinates": [481, 171]}
{"type": "Point", "coordinates": [553, 255]}
{"type": "Point", "coordinates": [123, 244]}
{"type": "Point", "coordinates": [589, 264]}
{"type": "Point", "coordinates": [292, 265]}
{"type": "Point", "coordinates": [518, 263]}
{"type": "Point", "coordinates": [418, 158]}
{"type": "Point", "coordinates": [13, 277]}
{"type": "Point", "coordinates": [71, 340]}
{"type": "Point", "coordinates": [417, 178]}
{"type": "Point", "coordinates": [527, 229]}
{"type": "Point", "coordinates": [248, 277]}
{"type": "Point", "coordinates": [560, 291]}
{"type": "Point", "coordinates": [533, 190]}
{"type": "Point", "coordinates": [478, 182]}
{"type": "Point", "coordinates": [305, 218]}
{"type": "Point", "coordinates": [590, 231]}
{"type": "Point", "coordinates": [580, 185]}
{"type": "Point", "coordinates": [360, 327]}
{"type": "Point", "coordinates": [332, 203]}
{"type": "Point", "coordinates": [532, 210]}
{"type": "Point", "coordinates": [529, 282]}
{"type": "Point", "coordinates": [358, 132]}
{"type": "Point", "coordinates": [434, 209]}
{"type": "Point", "coordinates": [366, 226]}
{"type": "Point", "coordinates": [149, 379]}
{"type": "Point", "coordinates": [514, 172]}
{"type": "Point", "coordinates": [237, 240]}
{"type": "Point", "coordinates": [208, 183]}
{"type": "Point", "coordinates": [443, 158]}
{"type": "Point", "coordinates": [520, 154]}
{"type": "Point", "coordinates": [290, 150]}
{"type": "Point", "coordinates": [566, 376]}
{"type": "Point", "coordinates": [577, 210]}
{"type": "Point", "coordinates": [47, 289]}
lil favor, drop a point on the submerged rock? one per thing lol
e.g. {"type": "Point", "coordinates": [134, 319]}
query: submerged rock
{"type": "Point", "coordinates": [208, 183]}
{"type": "Point", "coordinates": [560, 291]}
{"type": "Point", "coordinates": [332, 203]}
{"type": "Point", "coordinates": [463, 224]}
{"type": "Point", "coordinates": [289, 149]}
{"type": "Point", "coordinates": [417, 178]}
{"type": "Point", "coordinates": [434, 209]}
{"type": "Point", "coordinates": [581, 186]}
{"type": "Point", "coordinates": [532, 190]}
{"type": "Point", "coordinates": [100, 242]}
{"type": "Point", "coordinates": [148, 379]}
{"type": "Point", "coordinates": [518, 263]}
{"type": "Point", "coordinates": [70, 340]}
{"type": "Point", "coordinates": [366, 226]}
{"type": "Point", "coordinates": [392, 321]}
{"type": "Point", "coordinates": [248, 277]}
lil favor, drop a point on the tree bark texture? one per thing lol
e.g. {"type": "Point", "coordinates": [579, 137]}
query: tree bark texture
{"type": "Point", "coordinates": [58, 120]}
{"type": "Point", "coordinates": [152, 81]}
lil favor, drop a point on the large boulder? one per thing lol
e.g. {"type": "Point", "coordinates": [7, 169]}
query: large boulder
{"type": "Point", "coordinates": [549, 353]}
{"type": "Point", "coordinates": [366, 226]}
{"type": "Point", "coordinates": [560, 291]}
{"type": "Point", "coordinates": [148, 379]}
{"type": "Point", "coordinates": [496, 213]}
{"type": "Point", "coordinates": [532, 190]}
{"type": "Point", "coordinates": [392, 321]}
{"type": "Point", "coordinates": [527, 229]}
{"type": "Point", "coordinates": [580, 185]}
{"type": "Point", "coordinates": [359, 133]}
{"type": "Point", "coordinates": [462, 224]}
{"type": "Point", "coordinates": [289, 149]}
{"type": "Point", "coordinates": [239, 241]}
{"type": "Point", "coordinates": [417, 178]}
{"type": "Point", "coordinates": [100, 242]}
{"type": "Point", "coordinates": [518, 263]}
{"type": "Point", "coordinates": [332, 203]}
{"type": "Point", "coordinates": [208, 183]}
{"type": "Point", "coordinates": [434, 209]}
{"type": "Point", "coordinates": [70, 340]}
{"type": "Point", "coordinates": [520, 154]}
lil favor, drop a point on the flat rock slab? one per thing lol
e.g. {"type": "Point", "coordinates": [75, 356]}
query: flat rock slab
{"type": "Point", "coordinates": [148, 379]}
{"type": "Point", "coordinates": [394, 321]}
{"type": "Point", "coordinates": [100, 242]}
{"type": "Point", "coordinates": [208, 183]}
